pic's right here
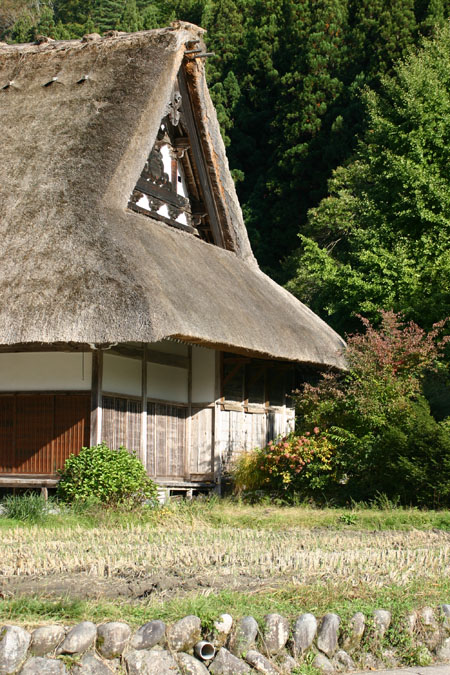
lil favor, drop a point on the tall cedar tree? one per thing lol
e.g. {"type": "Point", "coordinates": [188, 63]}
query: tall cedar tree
{"type": "Point", "coordinates": [106, 14]}
{"type": "Point", "coordinates": [385, 226]}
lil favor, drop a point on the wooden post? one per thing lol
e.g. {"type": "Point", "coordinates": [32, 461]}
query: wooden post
{"type": "Point", "coordinates": [216, 440]}
{"type": "Point", "coordinates": [96, 397]}
{"type": "Point", "coordinates": [187, 456]}
{"type": "Point", "coordinates": [143, 449]}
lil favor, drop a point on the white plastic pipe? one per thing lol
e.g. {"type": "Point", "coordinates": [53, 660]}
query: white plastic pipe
{"type": "Point", "coordinates": [204, 650]}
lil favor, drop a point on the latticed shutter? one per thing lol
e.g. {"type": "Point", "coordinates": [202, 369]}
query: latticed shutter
{"type": "Point", "coordinates": [38, 432]}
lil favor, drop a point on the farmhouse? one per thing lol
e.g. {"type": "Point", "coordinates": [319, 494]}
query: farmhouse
{"type": "Point", "coordinates": [132, 308]}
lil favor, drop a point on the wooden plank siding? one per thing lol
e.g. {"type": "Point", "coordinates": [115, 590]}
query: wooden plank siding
{"type": "Point", "coordinates": [201, 455]}
{"type": "Point", "coordinates": [240, 430]}
{"type": "Point", "coordinates": [121, 422]}
{"type": "Point", "coordinates": [166, 439]}
{"type": "Point", "coordinates": [38, 432]}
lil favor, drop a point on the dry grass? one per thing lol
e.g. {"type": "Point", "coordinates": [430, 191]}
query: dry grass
{"type": "Point", "coordinates": [302, 555]}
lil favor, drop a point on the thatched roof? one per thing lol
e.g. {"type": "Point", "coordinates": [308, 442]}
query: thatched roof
{"type": "Point", "coordinates": [77, 265]}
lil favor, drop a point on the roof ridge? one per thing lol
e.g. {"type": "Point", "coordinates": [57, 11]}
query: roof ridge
{"type": "Point", "coordinates": [44, 43]}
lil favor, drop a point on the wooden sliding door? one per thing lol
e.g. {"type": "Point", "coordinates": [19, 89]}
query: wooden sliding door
{"type": "Point", "coordinates": [166, 440]}
{"type": "Point", "coordinates": [39, 431]}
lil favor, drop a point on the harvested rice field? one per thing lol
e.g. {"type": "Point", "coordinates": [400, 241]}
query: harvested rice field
{"type": "Point", "coordinates": [190, 555]}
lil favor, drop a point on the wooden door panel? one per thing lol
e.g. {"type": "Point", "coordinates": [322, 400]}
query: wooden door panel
{"type": "Point", "coordinates": [38, 432]}
{"type": "Point", "coordinates": [34, 434]}
{"type": "Point", "coordinates": [166, 440]}
{"type": "Point", "coordinates": [121, 423]}
{"type": "Point", "coordinates": [201, 460]}
{"type": "Point", "coordinates": [7, 432]}
{"type": "Point", "coordinates": [72, 427]}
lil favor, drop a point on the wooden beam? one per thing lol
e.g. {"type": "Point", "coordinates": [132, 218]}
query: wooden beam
{"type": "Point", "coordinates": [187, 457]}
{"type": "Point", "coordinates": [96, 397]}
{"type": "Point", "coordinates": [28, 482]}
{"type": "Point", "coordinates": [143, 449]}
{"type": "Point", "coordinates": [44, 347]}
{"type": "Point", "coordinates": [200, 161]}
{"type": "Point", "coordinates": [216, 447]}
{"type": "Point", "coordinates": [153, 356]}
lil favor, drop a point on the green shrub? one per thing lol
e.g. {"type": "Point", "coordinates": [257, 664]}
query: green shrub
{"type": "Point", "coordinates": [113, 477]}
{"type": "Point", "coordinates": [384, 436]}
{"type": "Point", "coordinates": [294, 464]}
{"type": "Point", "coordinates": [28, 508]}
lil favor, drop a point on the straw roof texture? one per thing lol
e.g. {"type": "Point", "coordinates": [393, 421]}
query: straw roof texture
{"type": "Point", "coordinates": [77, 265]}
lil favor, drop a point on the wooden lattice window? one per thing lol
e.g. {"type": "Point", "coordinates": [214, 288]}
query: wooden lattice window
{"type": "Point", "coordinates": [255, 381]}
{"type": "Point", "coordinates": [173, 187]}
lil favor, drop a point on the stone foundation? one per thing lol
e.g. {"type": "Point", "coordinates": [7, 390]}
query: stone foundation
{"type": "Point", "coordinates": [273, 648]}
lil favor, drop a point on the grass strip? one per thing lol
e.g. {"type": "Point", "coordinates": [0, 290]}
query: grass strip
{"type": "Point", "coordinates": [225, 512]}
{"type": "Point", "coordinates": [290, 601]}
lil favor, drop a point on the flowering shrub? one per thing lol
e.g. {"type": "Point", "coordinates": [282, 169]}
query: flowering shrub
{"type": "Point", "coordinates": [381, 426]}
{"type": "Point", "coordinates": [290, 464]}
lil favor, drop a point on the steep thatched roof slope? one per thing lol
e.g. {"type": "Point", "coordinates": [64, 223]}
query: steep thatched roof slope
{"type": "Point", "coordinates": [77, 266]}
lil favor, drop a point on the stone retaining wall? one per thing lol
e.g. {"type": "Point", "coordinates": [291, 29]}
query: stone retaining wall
{"type": "Point", "coordinates": [229, 648]}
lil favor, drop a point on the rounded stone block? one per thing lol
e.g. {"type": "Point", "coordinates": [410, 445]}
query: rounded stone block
{"type": "Point", "coordinates": [260, 663]}
{"type": "Point", "coordinates": [275, 632]}
{"type": "Point", "coordinates": [38, 665]}
{"type": "Point", "coordinates": [443, 651]}
{"type": "Point", "coordinates": [445, 611]}
{"type": "Point", "coordinates": [226, 663]}
{"type": "Point", "coordinates": [323, 664]}
{"type": "Point", "coordinates": [91, 665]}
{"type": "Point", "coordinates": [14, 643]}
{"type": "Point", "coordinates": [381, 622]}
{"type": "Point", "coordinates": [190, 665]}
{"type": "Point", "coordinates": [184, 634]}
{"type": "Point", "coordinates": [244, 637]}
{"type": "Point", "coordinates": [430, 627]}
{"type": "Point", "coordinates": [79, 639]}
{"type": "Point", "coordinates": [221, 631]}
{"type": "Point", "coordinates": [327, 637]}
{"type": "Point", "coordinates": [287, 664]}
{"type": "Point", "coordinates": [149, 635]}
{"type": "Point", "coordinates": [112, 639]}
{"type": "Point", "coordinates": [46, 639]}
{"type": "Point", "coordinates": [155, 662]}
{"type": "Point", "coordinates": [343, 661]}
{"type": "Point", "coordinates": [304, 632]}
{"type": "Point", "coordinates": [355, 631]}
{"type": "Point", "coordinates": [224, 624]}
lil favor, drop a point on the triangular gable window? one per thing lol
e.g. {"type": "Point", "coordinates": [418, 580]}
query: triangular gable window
{"type": "Point", "coordinates": [173, 186]}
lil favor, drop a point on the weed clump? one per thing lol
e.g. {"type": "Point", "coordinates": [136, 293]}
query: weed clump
{"type": "Point", "coordinates": [27, 508]}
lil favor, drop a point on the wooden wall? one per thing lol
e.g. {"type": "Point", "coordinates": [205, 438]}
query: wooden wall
{"type": "Point", "coordinates": [239, 430]}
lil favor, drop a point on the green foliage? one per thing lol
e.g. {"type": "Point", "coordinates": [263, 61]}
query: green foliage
{"type": "Point", "coordinates": [112, 477]}
{"type": "Point", "coordinates": [294, 464]}
{"type": "Point", "coordinates": [378, 420]}
{"type": "Point", "coordinates": [382, 236]}
{"type": "Point", "coordinates": [130, 21]}
{"type": "Point", "coordinates": [27, 508]}
{"type": "Point", "coordinates": [106, 14]}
